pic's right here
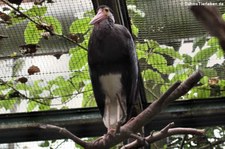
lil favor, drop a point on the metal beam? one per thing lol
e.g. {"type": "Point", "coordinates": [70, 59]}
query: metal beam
{"type": "Point", "coordinates": [87, 122]}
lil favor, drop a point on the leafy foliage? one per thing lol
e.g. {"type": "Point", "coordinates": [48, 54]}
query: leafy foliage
{"type": "Point", "coordinates": [31, 34]}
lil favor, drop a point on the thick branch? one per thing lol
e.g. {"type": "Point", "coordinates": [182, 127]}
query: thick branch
{"type": "Point", "coordinates": [152, 110]}
{"type": "Point", "coordinates": [126, 131]}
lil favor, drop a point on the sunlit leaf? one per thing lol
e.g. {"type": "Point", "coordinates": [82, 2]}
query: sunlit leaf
{"type": "Point", "coordinates": [44, 144]}
{"type": "Point", "coordinates": [141, 54]}
{"type": "Point", "coordinates": [213, 41]}
{"type": "Point", "coordinates": [209, 72]}
{"type": "Point", "coordinates": [78, 59]}
{"type": "Point", "coordinates": [204, 80]}
{"type": "Point", "coordinates": [156, 60]}
{"type": "Point", "coordinates": [8, 104]}
{"type": "Point", "coordinates": [204, 54]}
{"type": "Point", "coordinates": [57, 27]}
{"type": "Point", "coordinates": [168, 51]}
{"type": "Point", "coordinates": [220, 53]}
{"type": "Point", "coordinates": [31, 106]}
{"type": "Point", "coordinates": [134, 29]}
{"type": "Point", "coordinates": [187, 58]}
{"type": "Point", "coordinates": [36, 11]}
{"type": "Point", "coordinates": [142, 46]}
{"type": "Point", "coordinates": [31, 34]}
{"type": "Point", "coordinates": [80, 25]}
{"type": "Point", "coordinates": [88, 97]}
{"type": "Point", "coordinates": [152, 75]}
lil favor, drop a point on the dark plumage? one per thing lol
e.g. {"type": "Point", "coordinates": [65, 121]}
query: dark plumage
{"type": "Point", "coordinates": [113, 68]}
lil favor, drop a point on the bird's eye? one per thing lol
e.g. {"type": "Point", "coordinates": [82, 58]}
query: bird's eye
{"type": "Point", "coordinates": [106, 10]}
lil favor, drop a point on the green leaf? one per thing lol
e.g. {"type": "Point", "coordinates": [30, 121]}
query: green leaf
{"type": "Point", "coordinates": [168, 51]}
{"type": "Point", "coordinates": [78, 59]}
{"type": "Point", "coordinates": [172, 69]}
{"type": "Point", "coordinates": [220, 53]}
{"type": "Point", "coordinates": [44, 144]}
{"type": "Point", "coordinates": [200, 92]}
{"type": "Point", "coordinates": [199, 42]}
{"type": "Point", "coordinates": [187, 58]}
{"type": "Point", "coordinates": [31, 106]}
{"type": "Point", "coordinates": [134, 29]}
{"type": "Point", "coordinates": [179, 77]}
{"type": "Point", "coordinates": [209, 72]}
{"type": "Point", "coordinates": [31, 34]}
{"type": "Point", "coordinates": [65, 88]}
{"type": "Point", "coordinates": [88, 97]}
{"type": "Point", "coordinates": [223, 16]}
{"type": "Point", "coordinates": [22, 86]}
{"type": "Point", "coordinates": [222, 83]}
{"type": "Point", "coordinates": [44, 107]}
{"type": "Point", "coordinates": [213, 42]}
{"type": "Point", "coordinates": [156, 60]}
{"type": "Point", "coordinates": [153, 44]}
{"type": "Point", "coordinates": [204, 80]}
{"type": "Point", "coordinates": [142, 46]}
{"type": "Point", "coordinates": [152, 75]}
{"type": "Point", "coordinates": [57, 27]}
{"type": "Point", "coordinates": [8, 104]}
{"type": "Point", "coordinates": [36, 11]}
{"type": "Point", "coordinates": [141, 54]}
{"type": "Point", "coordinates": [164, 88]}
{"type": "Point", "coordinates": [204, 54]}
{"type": "Point", "coordinates": [80, 25]}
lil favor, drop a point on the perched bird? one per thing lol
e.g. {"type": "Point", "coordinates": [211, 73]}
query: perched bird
{"type": "Point", "coordinates": [114, 70]}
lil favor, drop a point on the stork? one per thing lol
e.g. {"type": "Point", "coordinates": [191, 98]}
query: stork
{"type": "Point", "coordinates": [114, 70]}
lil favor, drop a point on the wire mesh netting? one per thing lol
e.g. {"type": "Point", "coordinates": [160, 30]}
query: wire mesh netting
{"type": "Point", "coordinates": [40, 68]}
{"type": "Point", "coordinates": [172, 44]}
{"type": "Point", "coordinates": [43, 53]}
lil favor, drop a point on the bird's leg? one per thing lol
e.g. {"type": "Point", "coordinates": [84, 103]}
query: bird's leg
{"type": "Point", "coordinates": [119, 123]}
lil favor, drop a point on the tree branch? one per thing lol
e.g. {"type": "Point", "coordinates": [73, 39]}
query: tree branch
{"type": "Point", "coordinates": [64, 132]}
{"type": "Point", "coordinates": [131, 127]}
{"type": "Point", "coordinates": [165, 132]}
{"type": "Point", "coordinates": [177, 90]}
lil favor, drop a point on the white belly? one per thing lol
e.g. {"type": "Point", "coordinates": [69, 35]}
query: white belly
{"type": "Point", "coordinates": [115, 103]}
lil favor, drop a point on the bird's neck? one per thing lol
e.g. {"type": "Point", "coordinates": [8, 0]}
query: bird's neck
{"type": "Point", "coordinates": [104, 26]}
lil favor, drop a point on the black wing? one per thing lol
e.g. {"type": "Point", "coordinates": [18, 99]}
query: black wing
{"type": "Point", "coordinates": [136, 97]}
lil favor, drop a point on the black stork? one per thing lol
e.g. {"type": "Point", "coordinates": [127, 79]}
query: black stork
{"type": "Point", "coordinates": [114, 70]}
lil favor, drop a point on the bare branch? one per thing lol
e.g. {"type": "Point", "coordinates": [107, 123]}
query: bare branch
{"type": "Point", "coordinates": [131, 127]}
{"type": "Point", "coordinates": [64, 132]}
{"type": "Point", "coordinates": [165, 132]}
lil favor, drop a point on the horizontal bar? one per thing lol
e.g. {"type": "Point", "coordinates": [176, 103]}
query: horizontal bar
{"type": "Point", "coordinates": [87, 122]}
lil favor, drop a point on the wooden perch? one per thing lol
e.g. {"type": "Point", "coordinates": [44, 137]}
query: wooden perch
{"type": "Point", "coordinates": [127, 130]}
{"type": "Point", "coordinates": [211, 20]}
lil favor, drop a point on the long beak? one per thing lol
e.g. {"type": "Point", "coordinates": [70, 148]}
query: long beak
{"type": "Point", "coordinates": [98, 17]}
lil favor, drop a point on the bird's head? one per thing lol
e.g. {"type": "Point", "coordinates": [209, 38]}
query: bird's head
{"type": "Point", "coordinates": [104, 12]}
